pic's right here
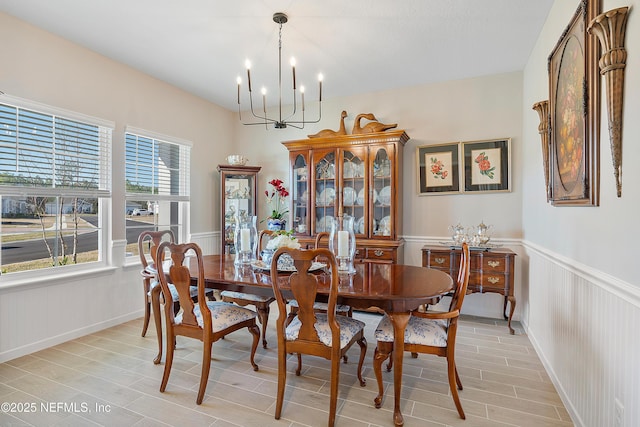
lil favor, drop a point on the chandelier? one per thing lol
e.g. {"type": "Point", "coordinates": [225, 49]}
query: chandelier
{"type": "Point", "coordinates": [279, 123]}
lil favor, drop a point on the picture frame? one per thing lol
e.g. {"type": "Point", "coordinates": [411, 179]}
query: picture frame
{"type": "Point", "coordinates": [438, 168]}
{"type": "Point", "coordinates": [486, 166]}
{"type": "Point", "coordinates": [574, 113]}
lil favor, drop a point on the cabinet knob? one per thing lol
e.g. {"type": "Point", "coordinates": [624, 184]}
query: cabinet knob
{"type": "Point", "coordinates": [378, 252]}
{"type": "Point", "coordinates": [357, 251]}
{"type": "Point", "coordinates": [493, 280]}
{"type": "Point", "coordinates": [439, 260]}
{"type": "Point", "coordinates": [493, 264]}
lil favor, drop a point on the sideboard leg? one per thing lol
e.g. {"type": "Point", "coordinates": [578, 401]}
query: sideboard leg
{"type": "Point", "coordinates": [512, 300]}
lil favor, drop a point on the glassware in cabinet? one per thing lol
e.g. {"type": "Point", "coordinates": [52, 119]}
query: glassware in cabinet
{"type": "Point", "coordinates": [354, 188]}
{"type": "Point", "coordinates": [238, 200]}
{"type": "Point", "coordinates": [382, 194]}
{"type": "Point", "coordinates": [324, 186]}
{"type": "Point", "coordinates": [300, 193]}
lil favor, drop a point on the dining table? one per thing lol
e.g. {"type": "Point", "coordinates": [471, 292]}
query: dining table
{"type": "Point", "coordinates": [394, 289]}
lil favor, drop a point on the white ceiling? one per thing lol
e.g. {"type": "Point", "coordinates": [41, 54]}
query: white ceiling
{"type": "Point", "coordinates": [359, 45]}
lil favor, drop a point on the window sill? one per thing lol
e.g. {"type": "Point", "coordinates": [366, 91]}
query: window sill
{"type": "Point", "coordinates": [38, 281]}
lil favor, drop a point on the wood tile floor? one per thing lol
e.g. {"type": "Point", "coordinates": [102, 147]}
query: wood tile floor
{"type": "Point", "coordinates": [108, 378]}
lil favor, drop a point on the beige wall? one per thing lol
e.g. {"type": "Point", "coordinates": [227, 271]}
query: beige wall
{"type": "Point", "coordinates": [466, 110]}
{"type": "Point", "coordinates": [48, 69]}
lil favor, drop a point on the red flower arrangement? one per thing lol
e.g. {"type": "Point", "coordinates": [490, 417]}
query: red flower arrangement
{"type": "Point", "coordinates": [275, 199]}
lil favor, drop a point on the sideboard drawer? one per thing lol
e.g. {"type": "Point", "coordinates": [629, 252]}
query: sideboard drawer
{"type": "Point", "coordinates": [489, 281]}
{"type": "Point", "coordinates": [382, 254]}
{"type": "Point", "coordinates": [440, 261]}
{"type": "Point", "coordinates": [497, 264]}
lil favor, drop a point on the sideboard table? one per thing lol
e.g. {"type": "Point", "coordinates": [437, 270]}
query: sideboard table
{"type": "Point", "coordinates": [491, 271]}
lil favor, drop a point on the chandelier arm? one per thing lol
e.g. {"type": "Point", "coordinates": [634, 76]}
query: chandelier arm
{"type": "Point", "coordinates": [308, 121]}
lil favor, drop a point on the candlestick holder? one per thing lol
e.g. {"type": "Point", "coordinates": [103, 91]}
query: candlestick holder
{"type": "Point", "coordinates": [245, 240]}
{"type": "Point", "coordinates": [342, 242]}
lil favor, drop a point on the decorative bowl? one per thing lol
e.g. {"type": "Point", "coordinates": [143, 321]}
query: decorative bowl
{"type": "Point", "coordinates": [237, 160]}
{"type": "Point", "coordinates": [284, 263]}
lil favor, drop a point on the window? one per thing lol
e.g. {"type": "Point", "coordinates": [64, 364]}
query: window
{"type": "Point", "coordinates": [55, 180]}
{"type": "Point", "coordinates": [157, 185]}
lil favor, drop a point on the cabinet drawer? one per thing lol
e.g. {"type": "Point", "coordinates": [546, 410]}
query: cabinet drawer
{"type": "Point", "coordinates": [380, 254]}
{"type": "Point", "coordinates": [440, 261]}
{"type": "Point", "coordinates": [496, 264]}
{"type": "Point", "coordinates": [488, 281]}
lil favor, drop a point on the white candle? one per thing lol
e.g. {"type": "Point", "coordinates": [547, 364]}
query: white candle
{"type": "Point", "coordinates": [343, 243]}
{"type": "Point", "coordinates": [245, 240]}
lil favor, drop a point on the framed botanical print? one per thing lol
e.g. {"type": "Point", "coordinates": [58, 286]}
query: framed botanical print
{"type": "Point", "coordinates": [574, 113]}
{"type": "Point", "coordinates": [438, 169]}
{"type": "Point", "coordinates": [486, 165]}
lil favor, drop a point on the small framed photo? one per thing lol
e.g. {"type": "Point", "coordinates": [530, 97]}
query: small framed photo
{"type": "Point", "coordinates": [486, 165]}
{"type": "Point", "coordinates": [438, 169]}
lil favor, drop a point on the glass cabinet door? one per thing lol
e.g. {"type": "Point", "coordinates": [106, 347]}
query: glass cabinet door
{"type": "Point", "coordinates": [354, 189]}
{"type": "Point", "coordinates": [325, 191]}
{"type": "Point", "coordinates": [300, 194]}
{"type": "Point", "coordinates": [238, 193]}
{"type": "Point", "coordinates": [382, 195]}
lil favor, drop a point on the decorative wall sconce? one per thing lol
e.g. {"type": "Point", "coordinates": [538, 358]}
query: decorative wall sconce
{"type": "Point", "coordinates": [542, 108]}
{"type": "Point", "coordinates": [610, 27]}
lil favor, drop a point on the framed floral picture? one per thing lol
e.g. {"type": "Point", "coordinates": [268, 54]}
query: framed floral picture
{"type": "Point", "coordinates": [438, 169]}
{"type": "Point", "coordinates": [574, 113]}
{"type": "Point", "coordinates": [486, 165]}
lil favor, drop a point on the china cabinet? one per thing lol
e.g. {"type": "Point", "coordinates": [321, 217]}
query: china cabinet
{"type": "Point", "coordinates": [354, 175]}
{"type": "Point", "coordinates": [238, 199]}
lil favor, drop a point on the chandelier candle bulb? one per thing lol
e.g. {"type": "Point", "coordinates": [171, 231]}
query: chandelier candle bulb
{"type": "Point", "coordinates": [248, 65]}
{"type": "Point", "coordinates": [343, 243]}
{"type": "Point", "coordinates": [293, 68]}
{"type": "Point", "coordinates": [245, 240]}
{"type": "Point", "coordinates": [239, 80]}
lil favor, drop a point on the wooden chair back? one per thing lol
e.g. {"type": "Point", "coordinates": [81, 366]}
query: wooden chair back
{"type": "Point", "coordinates": [303, 285]}
{"type": "Point", "coordinates": [180, 276]}
{"type": "Point", "coordinates": [148, 242]}
{"type": "Point", "coordinates": [323, 235]}
{"type": "Point", "coordinates": [263, 239]}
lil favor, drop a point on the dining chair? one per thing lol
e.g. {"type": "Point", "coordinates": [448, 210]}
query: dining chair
{"type": "Point", "coordinates": [428, 332]}
{"type": "Point", "coordinates": [261, 303]}
{"type": "Point", "coordinates": [207, 321]}
{"type": "Point", "coordinates": [319, 334]}
{"type": "Point", "coordinates": [148, 242]}
{"type": "Point", "coordinates": [320, 307]}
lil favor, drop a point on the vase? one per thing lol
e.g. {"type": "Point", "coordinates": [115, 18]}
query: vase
{"type": "Point", "coordinates": [245, 240]}
{"type": "Point", "coordinates": [276, 224]}
{"type": "Point", "coordinates": [342, 242]}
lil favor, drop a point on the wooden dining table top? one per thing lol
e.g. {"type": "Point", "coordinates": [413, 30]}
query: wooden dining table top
{"type": "Point", "coordinates": [389, 287]}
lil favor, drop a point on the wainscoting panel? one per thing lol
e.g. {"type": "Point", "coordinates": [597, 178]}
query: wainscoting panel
{"type": "Point", "coordinates": [208, 242]}
{"type": "Point", "coordinates": [585, 326]}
